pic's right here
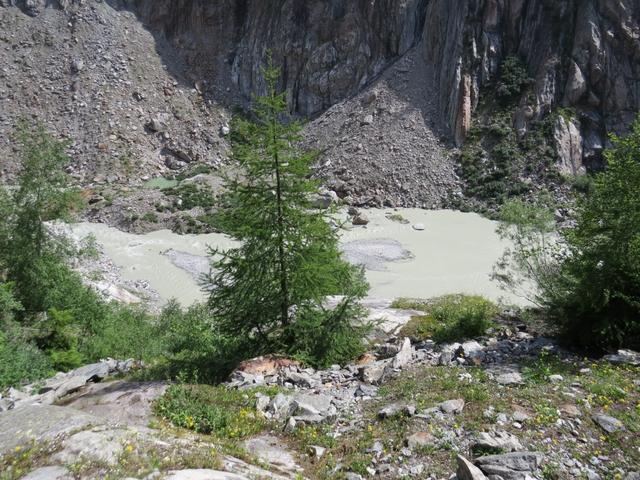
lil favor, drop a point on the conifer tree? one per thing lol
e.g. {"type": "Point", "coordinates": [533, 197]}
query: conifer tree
{"type": "Point", "coordinates": [271, 290]}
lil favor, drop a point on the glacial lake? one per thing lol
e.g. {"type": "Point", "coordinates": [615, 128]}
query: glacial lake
{"type": "Point", "coordinates": [454, 253]}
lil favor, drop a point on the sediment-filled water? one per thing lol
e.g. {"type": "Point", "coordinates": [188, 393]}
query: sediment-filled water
{"type": "Point", "coordinates": [454, 253]}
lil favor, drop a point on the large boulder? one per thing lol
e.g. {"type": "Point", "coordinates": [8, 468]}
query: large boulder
{"type": "Point", "coordinates": [40, 423]}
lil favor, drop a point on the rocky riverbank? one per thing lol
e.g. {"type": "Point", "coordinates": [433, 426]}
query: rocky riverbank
{"type": "Point", "coordinates": [508, 405]}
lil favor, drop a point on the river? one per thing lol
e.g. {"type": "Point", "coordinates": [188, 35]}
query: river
{"type": "Point", "coordinates": [454, 253]}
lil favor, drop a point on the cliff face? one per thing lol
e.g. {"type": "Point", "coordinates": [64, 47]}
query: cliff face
{"type": "Point", "coordinates": [385, 80]}
{"type": "Point", "coordinates": [582, 53]}
{"type": "Point", "coordinates": [328, 49]}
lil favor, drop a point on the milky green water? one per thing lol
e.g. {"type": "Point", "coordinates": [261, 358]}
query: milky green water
{"type": "Point", "coordinates": [454, 253]}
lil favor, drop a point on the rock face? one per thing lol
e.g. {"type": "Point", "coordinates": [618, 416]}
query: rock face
{"type": "Point", "coordinates": [581, 54]}
{"type": "Point", "coordinates": [383, 81]}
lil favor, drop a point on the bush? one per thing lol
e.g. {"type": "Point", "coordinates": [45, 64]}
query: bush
{"type": "Point", "coordinates": [194, 346]}
{"type": "Point", "coordinates": [514, 78]}
{"type": "Point", "coordinates": [588, 280]}
{"type": "Point", "coordinates": [219, 411]}
{"type": "Point", "coordinates": [21, 361]}
{"type": "Point", "coordinates": [596, 297]}
{"type": "Point", "coordinates": [450, 318]}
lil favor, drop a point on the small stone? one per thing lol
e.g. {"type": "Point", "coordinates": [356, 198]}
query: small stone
{"type": "Point", "coordinates": [317, 452]}
{"type": "Point", "coordinates": [360, 219]}
{"type": "Point", "coordinates": [607, 423]}
{"type": "Point", "coordinates": [420, 439]}
{"type": "Point", "coordinates": [418, 226]}
{"type": "Point", "coordinates": [556, 378]}
{"type": "Point", "coordinates": [452, 406]}
{"type": "Point", "coordinates": [373, 373]}
{"type": "Point", "coordinates": [367, 120]}
{"type": "Point", "coordinates": [225, 130]}
{"type": "Point", "coordinates": [512, 378]}
{"type": "Point", "coordinates": [570, 410]}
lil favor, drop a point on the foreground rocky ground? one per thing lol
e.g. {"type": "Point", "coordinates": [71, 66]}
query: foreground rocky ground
{"type": "Point", "coordinates": [508, 405]}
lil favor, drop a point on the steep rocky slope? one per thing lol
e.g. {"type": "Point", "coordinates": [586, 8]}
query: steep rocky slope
{"type": "Point", "coordinates": [140, 84]}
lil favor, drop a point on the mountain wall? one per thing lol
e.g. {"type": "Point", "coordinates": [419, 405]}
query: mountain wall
{"type": "Point", "coordinates": [434, 57]}
{"type": "Point", "coordinates": [583, 54]}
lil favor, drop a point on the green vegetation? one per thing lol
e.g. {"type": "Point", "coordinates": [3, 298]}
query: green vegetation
{"type": "Point", "coordinates": [513, 80]}
{"type": "Point", "coordinates": [49, 319]}
{"type": "Point", "coordinates": [497, 163]}
{"type": "Point", "coordinates": [449, 318]}
{"type": "Point", "coordinates": [219, 411]}
{"type": "Point", "coordinates": [161, 183]}
{"type": "Point", "coordinates": [271, 290]}
{"type": "Point", "coordinates": [588, 279]}
{"type": "Point", "coordinates": [192, 195]}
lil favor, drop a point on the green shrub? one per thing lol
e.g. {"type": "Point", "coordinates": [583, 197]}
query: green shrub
{"type": "Point", "coordinates": [194, 346]}
{"type": "Point", "coordinates": [589, 279]}
{"type": "Point", "coordinates": [192, 195]}
{"type": "Point", "coordinates": [150, 217]}
{"type": "Point", "coordinates": [21, 361]}
{"type": "Point", "coordinates": [219, 411]}
{"type": "Point", "coordinates": [452, 318]}
{"type": "Point", "coordinates": [514, 78]}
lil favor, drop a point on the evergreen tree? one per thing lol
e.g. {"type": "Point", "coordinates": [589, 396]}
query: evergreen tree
{"type": "Point", "coordinates": [271, 289]}
{"type": "Point", "coordinates": [28, 252]}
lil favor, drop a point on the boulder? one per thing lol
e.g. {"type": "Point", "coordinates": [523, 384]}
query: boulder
{"type": "Point", "coordinates": [203, 474]}
{"type": "Point", "coordinates": [624, 357]}
{"type": "Point", "coordinates": [403, 357]}
{"type": "Point", "coordinates": [511, 378]}
{"type": "Point", "coordinates": [40, 423]}
{"type": "Point", "coordinates": [468, 471]}
{"type": "Point", "coordinates": [270, 450]}
{"type": "Point", "coordinates": [360, 219]}
{"type": "Point", "coordinates": [49, 473]}
{"type": "Point", "coordinates": [373, 373]}
{"type": "Point", "coordinates": [102, 445]}
{"type": "Point", "coordinates": [420, 439]}
{"type": "Point", "coordinates": [510, 466]}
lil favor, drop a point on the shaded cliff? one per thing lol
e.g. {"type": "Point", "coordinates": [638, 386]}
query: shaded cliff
{"type": "Point", "coordinates": [358, 68]}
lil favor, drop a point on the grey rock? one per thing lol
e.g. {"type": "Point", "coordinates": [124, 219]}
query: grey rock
{"type": "Point", "coordinates": [367, 120]}
{"type": "Point", "coordinates": [418, 226]}
{"type": "Point", "coordinates": [396, 409]}
{"type": "Point", "coordinates": [501, 440]}
{"type": "Point", "coordinates": [420, 439]}
{"type": "Point", "coordinates": [360, 219]}
{"type": "Point", "coordinates": [607, 423]}
{"type": "Point", "coordinates": [468, 471]}
{"type": "Point", "coordinates": [203, 474]}
{"type": "Point", "coordinates": [352, 476]}
{"type": "Point", "coordinates": [49, 473]}
{"type": "Point", "coordinates": [40, 423]}
{"type": "Point", "coordinates": [510, 466]}
{"type": "Point", "coordinates": [624, 357]}
{"type": "Point", "coordinates": [452, 406]}
{"type": "Point", "coordinates": [270, 450]}
{"type": "Point", "coordinates": [102, 445]}
{"type": "Point", "coordinates": [404, 356]}
{"type": "Point", "coordinates": [512, 378]}
{"type": "Point", "coordinates": [373, 373]}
